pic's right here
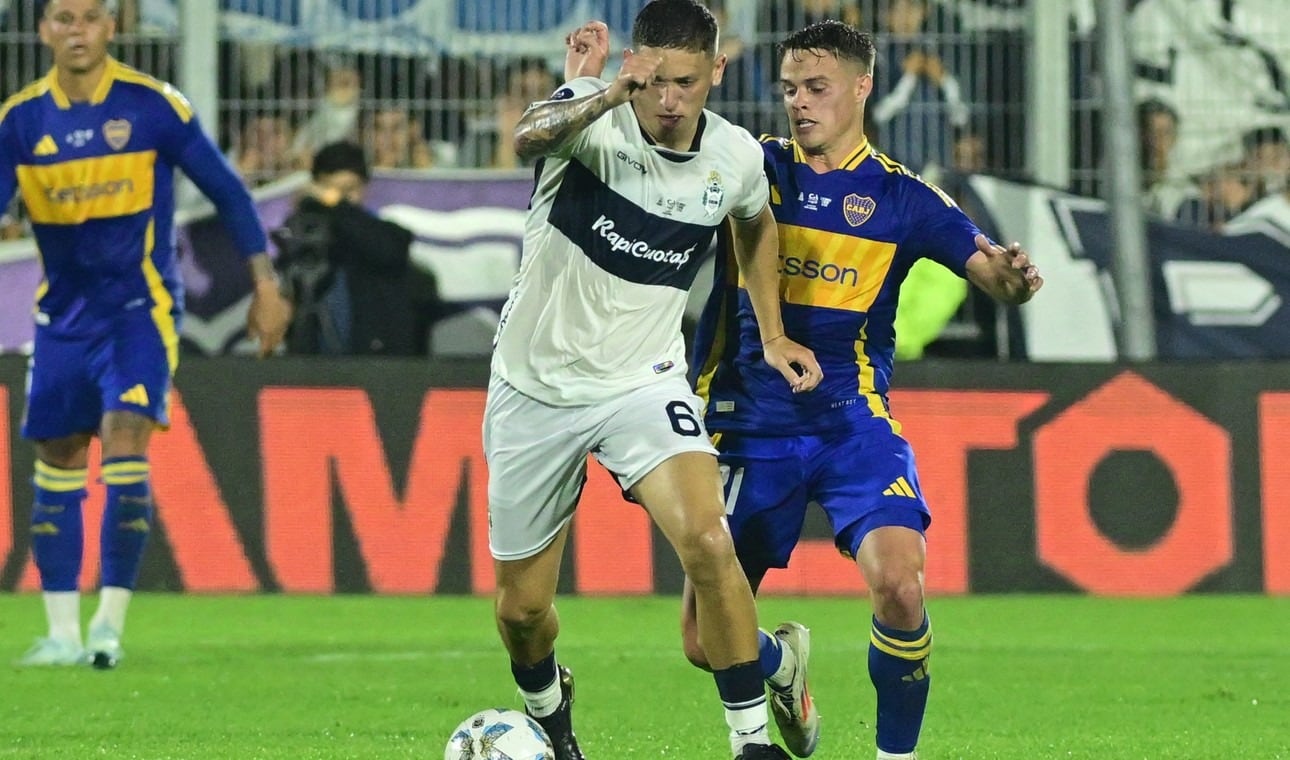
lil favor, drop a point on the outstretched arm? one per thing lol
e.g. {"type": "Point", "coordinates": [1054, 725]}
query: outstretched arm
{"type": "Point", "coordinates": [757, 253]}
{"type": "Point", "coordinates": [1004, 273]}
{"type": "Point", "coordinates": [546, 127]}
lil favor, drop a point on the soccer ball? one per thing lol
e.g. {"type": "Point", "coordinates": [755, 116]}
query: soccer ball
{"type": "Point", "coordinates": [499, 734]}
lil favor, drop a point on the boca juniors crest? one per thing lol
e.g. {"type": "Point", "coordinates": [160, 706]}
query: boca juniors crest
{"type": "Point", "coordinates": [117, 133]}
{"type": "Point", "coordinates": [857, 209]}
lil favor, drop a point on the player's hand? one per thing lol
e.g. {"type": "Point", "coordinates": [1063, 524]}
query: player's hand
{"type": "Point", "coordinates": [586, 51]}
{"type": "Point", "coordinates": [268, 317]}
{"type": "Point", "coordinates": [633, 77]}
{"type": "Point", "coordinates": [1019, 277]}
{"type": "Point", "coordinates": [794, 361]}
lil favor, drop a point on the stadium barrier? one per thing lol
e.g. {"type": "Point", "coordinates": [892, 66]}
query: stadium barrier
{"type": "Point", "coordinates": [353, 476]}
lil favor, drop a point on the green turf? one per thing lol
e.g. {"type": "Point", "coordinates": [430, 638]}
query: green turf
{"type": "Point", "coordinates": [381, 677]}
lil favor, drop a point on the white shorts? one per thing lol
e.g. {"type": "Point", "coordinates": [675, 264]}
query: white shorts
{"type": "Point", "coordinates": [537, 454]}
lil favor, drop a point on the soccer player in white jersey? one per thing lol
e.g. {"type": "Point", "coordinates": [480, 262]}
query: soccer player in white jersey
{"type": "Point", "coordinates": [635, 179]}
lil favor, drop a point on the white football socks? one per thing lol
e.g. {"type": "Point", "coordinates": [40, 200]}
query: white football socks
{"type": "Point", "coordinates": [545, 702]}
{"type": "Point", "coordinates": [63, 611]}
{"type": "Point", "coordinates": [113, 602]}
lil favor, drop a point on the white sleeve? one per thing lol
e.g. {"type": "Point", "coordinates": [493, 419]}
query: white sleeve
{"type": "Point", "coordinates": [577, 88]}
{"type": "Point", "coordinates": [754, 190]}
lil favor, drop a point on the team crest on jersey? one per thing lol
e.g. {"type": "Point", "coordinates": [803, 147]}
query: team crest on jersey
{"type": "Point", "coordinates": [857, 209]}
{"type": "Point", "coordinates": [117, 133]}
{"type": "Point", "coordinates": [713, 193]}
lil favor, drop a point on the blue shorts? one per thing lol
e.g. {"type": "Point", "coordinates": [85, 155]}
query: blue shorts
{"type": "Point", "coordinates": [862, 480]}
{"type": "Point", "coordinates": [73, 381]}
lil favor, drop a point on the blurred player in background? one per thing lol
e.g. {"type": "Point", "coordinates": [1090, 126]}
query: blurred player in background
{"type": "Point", "coordinates": [92, 148]}
{"type": "Point", "coordinates": [851, 224]}
{"type": "Point", "coordinates": [636, 177]}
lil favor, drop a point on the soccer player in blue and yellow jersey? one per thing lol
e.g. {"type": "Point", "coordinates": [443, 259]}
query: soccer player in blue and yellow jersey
{"type": "Point", "coordinates": [92, 147]}
{"type": "Point", "coordinates": [851, 224]}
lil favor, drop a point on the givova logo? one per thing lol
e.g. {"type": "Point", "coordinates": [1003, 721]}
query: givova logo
{"type": "Point", "coordinates": [641, 249]}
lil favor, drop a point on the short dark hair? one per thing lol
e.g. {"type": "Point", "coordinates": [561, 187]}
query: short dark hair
{"type": "Point", "coordinates": [343, 156]}
{"type": "Point", "coordinates": [1257, 138]}
{"type": "Point", "coordinates": [843, 41]}
{"type": "Point", "coordinates": [108, 5]}
{"type": "Point", "coordinates": [1153, 107]}
{"type": "Point", "coordinates": [677, 24]}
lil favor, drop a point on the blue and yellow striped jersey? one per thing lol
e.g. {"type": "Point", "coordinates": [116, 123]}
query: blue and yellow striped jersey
{"type": "Point", "coordinates": [847, 238]}
{"type": "Point", "coordinates": [97, 178]}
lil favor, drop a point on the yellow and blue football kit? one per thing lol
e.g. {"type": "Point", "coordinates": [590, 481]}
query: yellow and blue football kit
{"type": "Point", "coordinates": [847, 239]}
{"type": "Point", "coordinates": [97, 178]}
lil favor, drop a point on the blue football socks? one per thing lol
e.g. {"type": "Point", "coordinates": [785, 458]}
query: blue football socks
{"type": "Point", "coordinates": [127, 519]}
{"type": "Point", "coordinates": [770, 654]}
{"type": "Point", "coordinates": [57, 534]}
{"type": "Point", "coordinates": [899, 671]}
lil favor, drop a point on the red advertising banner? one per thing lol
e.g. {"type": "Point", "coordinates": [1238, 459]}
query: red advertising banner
{"type": "Point", "coordinates": [308, 476]}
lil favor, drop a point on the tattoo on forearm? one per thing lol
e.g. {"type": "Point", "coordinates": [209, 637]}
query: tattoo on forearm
{"type": "Point", "coordinates": [548, 126]}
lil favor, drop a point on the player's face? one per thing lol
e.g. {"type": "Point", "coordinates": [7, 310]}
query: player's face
{"type": "Point", "coordinates": [824, 98]}
{"type": "Point", "coordinates": [669, 108]}
{"type": "Point", "coordinates": [78, 32]}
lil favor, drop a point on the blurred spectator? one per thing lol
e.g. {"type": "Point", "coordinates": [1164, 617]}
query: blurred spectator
{"type": "Point", "coordinates": [1163, 190]}
{"type": "Point", "coordinates": [930, 296]}
{"type": "Point", "coordinates": [1273, 210]}
{"type": "Point", "coordinates": [1158, 133]}
{"type": "Point", "coordinates": [780, 17]}
{"type": "Point", "coordinates": [922, 101]}
{"type": "Point", "coordinates": [1225, 192]}
{"type": "Point", "coordinates": [1182, 48]}
{"type": "Point", "coordinates": [335, 116]}
{"type": "Point", "coordinates": [395, 141]}
{"type": "Point", "coordinates": [528, 80]}
{"type": "Point", "coordinates": [747, 94]}
{"type": "Point", "coordinates": [348, 271]}
{"type": "Point", "coordinates": [1267, 157]}
{"type": "Point", "coordinates": [13, 223]}
{"type": "Point", "coordinates": [262, 152]}
{"type": "Point", "coordinates": [969, 154]}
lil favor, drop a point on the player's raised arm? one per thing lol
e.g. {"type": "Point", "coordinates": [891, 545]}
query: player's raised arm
{"type": "Point", "coordinates": [757, 253]}
{"type": "Point", "coordinates": [1004, 273]}
{"type": "Point", "coordinates": [586, 51]}
{"type": "Point", "coordinates": [546, 127]}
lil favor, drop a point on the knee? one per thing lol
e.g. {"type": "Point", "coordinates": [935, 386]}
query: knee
{"type": "Point", "coordinates": [518, 614]}
{"type": "Point", "coordinates": [898, 596]}
{"type": "Point", "coordinates": [707, 553]}
{"type": "Point", "coordinates": [64, 453]}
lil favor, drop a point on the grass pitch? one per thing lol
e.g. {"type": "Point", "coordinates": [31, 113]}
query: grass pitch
{"type": "Point", "coordinates": [389, 677]}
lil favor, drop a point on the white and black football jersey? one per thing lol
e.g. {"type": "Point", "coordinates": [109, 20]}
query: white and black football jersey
{"type": "Point", "coordinates": [616, 231]}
